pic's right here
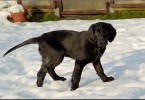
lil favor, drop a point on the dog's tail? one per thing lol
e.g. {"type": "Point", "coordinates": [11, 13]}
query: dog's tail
{"type": "Point", "coordinates": [29, 41]}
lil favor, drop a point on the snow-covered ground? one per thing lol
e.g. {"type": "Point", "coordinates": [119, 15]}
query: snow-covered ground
{"type": "Point", "coordinates": [124, 59]}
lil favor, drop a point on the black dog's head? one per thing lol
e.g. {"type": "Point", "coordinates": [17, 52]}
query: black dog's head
{"type": "Point", "coordinates": [100, 33]}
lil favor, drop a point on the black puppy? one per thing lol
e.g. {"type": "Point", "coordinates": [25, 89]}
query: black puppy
{"type": "Point", "coordinates": [85, 47]}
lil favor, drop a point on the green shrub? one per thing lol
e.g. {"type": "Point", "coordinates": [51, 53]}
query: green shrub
{"type": "Point", "coordinates": [122, 15]}
{"type": "Point", "coordinates": [30, 18]}
{"type": "Point", "coordinates": [50, 17]}
{"type": "Point", "coordinates": [41, 17]}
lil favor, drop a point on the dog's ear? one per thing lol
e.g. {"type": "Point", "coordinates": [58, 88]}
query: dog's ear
{"type": "Point", "coordinates": [91, 31]}
{"type": "Point", "coordinates": [112, 33]}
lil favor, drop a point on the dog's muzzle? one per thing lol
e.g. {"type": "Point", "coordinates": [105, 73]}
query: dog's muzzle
{"type": "Point", "coordinates": [103, 43]}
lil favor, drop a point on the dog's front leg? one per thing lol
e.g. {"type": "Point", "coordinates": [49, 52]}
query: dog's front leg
{"type": "Point", "coordinates": [79, 65]}
{"type": "Point", "coordinates": [99, 69]}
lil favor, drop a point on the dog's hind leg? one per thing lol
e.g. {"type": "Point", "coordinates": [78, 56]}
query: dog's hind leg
{"type": "Point", "coordinates": [42, 72]}
{"type": "Point", "coordinates": [52, 63]}
{"type": "Point", "coordinates": [52, 73]}
{"type": "Point", "coordinates": [48, 65]}
{"type": "Point", "coordinates": [41, 75]}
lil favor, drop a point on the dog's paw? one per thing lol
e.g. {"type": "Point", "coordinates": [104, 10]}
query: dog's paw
{"type": "Point", "coordinates": [74, 88]}
{"type": "Point", "coordinates": [60, 78]}
{"type": "Point", "coordinates": [108, 79]}
{"type": "Point", "coordinates": [39, 84]}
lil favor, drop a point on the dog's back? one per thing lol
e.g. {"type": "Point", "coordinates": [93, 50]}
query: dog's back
{"type": "Point", "coordinates": [67, 41]}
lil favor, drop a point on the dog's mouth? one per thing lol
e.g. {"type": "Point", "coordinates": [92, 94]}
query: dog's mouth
{"type": "Point", "coordinates": [102, 44]}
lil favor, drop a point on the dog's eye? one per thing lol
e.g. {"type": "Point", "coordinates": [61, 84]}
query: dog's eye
{"type": "Point", "coordinates": [97, 34]}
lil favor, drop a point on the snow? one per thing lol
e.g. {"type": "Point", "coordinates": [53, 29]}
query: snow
{"type": "Point", "coordinates": [3, 4]}
{"type": "Point", "coordinates": [16, 8]}
{"type": "Point", "coordinates": [124, 59]}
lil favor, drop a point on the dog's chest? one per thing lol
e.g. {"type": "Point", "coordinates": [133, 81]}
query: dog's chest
{"type": "Point", "coordinates": [97, 53]}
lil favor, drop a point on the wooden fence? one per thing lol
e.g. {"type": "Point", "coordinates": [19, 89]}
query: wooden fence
{"type": "Point", "coordinates": [126, 5]}
{"type": "Point", "coordinates": [82, 7]}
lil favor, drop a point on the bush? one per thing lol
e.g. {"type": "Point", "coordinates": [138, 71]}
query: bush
{"type": "Point", "coordinates": [50, 17]}
{"type": "Point", "coordinates": [41, 17]}
{"type": "Point", "coordinates": [122, 15]}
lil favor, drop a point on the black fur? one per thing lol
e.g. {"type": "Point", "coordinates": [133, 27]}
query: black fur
{"type": "Point", "coordinates": [85, 47]}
